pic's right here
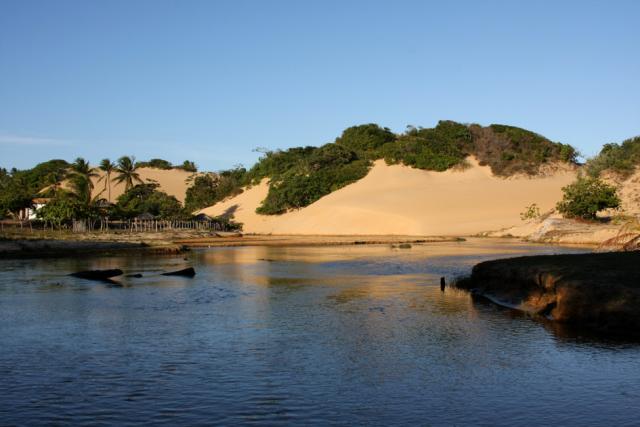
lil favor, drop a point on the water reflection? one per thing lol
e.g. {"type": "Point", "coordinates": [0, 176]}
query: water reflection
{"type": "Point", "coordinates": [357, 335]}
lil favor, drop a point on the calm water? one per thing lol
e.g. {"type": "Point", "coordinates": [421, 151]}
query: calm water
{"type": "Point", "coordinates": [343, 335]}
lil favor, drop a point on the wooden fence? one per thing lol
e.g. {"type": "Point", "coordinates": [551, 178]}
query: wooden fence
{"type": "Point", "coordinates": [131, 226]}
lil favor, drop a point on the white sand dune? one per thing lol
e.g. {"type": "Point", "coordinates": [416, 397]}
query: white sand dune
{"type": "Point", "coordinates": [172, 181]}
{"type": "Point", "coordinates": [399, 200]}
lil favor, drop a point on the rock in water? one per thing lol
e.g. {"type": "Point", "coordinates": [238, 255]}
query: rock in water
{"type": "Point", "coordinates": [187, 272]}
{"type": "Point", "coordinates": [97, 274]}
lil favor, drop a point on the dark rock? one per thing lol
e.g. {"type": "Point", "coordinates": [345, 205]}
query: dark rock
{"type": "Point", "coordinates": [136, 275]}
{"type": "Point", "coordinates": [187, 272]}
{"type": "Point", "coordinates": [600, 291]}
{"type": "Point", "coordinates": [97, 274]}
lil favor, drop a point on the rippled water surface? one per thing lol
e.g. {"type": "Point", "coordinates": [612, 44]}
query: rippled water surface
{"type": "Point", "coordinates": [320, 335]}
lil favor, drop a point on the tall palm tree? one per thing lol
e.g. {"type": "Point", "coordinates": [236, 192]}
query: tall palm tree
{"type": "Point", "coordinates": [81, 174]}
{"type": "Point", "coordinates": [126, 171]}
{"type": "Point", "coordinates": [108, 167]}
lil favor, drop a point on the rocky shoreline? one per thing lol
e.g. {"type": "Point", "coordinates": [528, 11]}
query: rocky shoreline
{"type": "Point", "coordinates": [599, 291]}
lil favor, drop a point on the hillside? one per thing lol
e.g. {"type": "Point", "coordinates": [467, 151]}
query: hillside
{"type": "Point", "coordinates": [396, 199]}
{"type": "Point", "coordinates": [174, 182]}
{"type": "Point", "coordinates": [299, 176]}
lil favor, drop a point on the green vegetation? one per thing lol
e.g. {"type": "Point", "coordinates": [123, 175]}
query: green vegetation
{"type": "Point", "coordinates": [147, 199]}
{"type": "Point", "coordinates": [299, 176]}
{"type": "Point", "coordinates": [187, 165]}
{"type": "Point", "coordinates": [80, 177]}
{"type": "Point", "coordinates": [365, 139]}
{"type": "Point", "coordinates": [19, 187]}
{"type": "Point", "coordinates": [586, 197]}
{"type": "Point", "coordinates": [438, 149]}
{"type": "Point", "coordinates": [210, 188]}
{"type": "Point", "coordinates": [621, 159]}
{"type": "Point", "coordinates": [127, 172]}
{"type": "Point", "coordinates": [509, 150]}
{"type": "Point", "coordinates": [531, 212]}
{"type": "Point", "coordinates": [155, 163]}
{"type": "Point", "coordinates": [69, 187]}
{"type": "Point", "coordinates": [107, 167]}
{"type": "Point", "coordinates": [63, 208]}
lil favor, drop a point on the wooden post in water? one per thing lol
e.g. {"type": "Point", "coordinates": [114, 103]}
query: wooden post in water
{"type": "Point", "coordinates": [442, 284]}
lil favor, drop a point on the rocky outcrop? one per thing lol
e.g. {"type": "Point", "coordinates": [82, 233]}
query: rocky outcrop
{"type": "Point", "coordinates": [600, 291]}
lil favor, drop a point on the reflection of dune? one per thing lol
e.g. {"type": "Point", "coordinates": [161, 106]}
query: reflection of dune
{"type": "Point", "coordinates": [399, 200]}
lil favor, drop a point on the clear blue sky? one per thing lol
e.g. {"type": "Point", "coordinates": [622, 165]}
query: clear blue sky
{"type": "Point", "coordinates": [209, 81]}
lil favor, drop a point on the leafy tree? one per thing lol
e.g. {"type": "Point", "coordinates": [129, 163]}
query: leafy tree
{"type": "Point", "coordinates": [202, 193]}
{"type": "Point", "coordinates": [155, 163]}
{"type": "Point", "coordinates": [54, 182]}
{"type": "Point", "coordinates": [509, 149]}
{"type": "Point", "coordinates": [439, 148]}
{"type": "Point", "coordinates": [586, 197]}
{"type": "Point", "coordinates": [62, 209]}
{"type": "Point", "coordinates": [126, 171]}
{"type": "Point", "coordinates": [18, 187]}
{"type": "Point", "coordinates": [365, 138]}
{"type": "Point", "coordinates": [108, 167]}
{"type": "Point", "coordinates": [211, 188]}
{"type": "Point", "coordinates": [14, 195]}
{"type": "Point", "coordinates": [275, 164]}
{"type": "Point", "coordinates": [145, 198]}
{"type": "Point", "coordinates": [189, 166]}
{"type": "Point", "coordinates": [619, 158]}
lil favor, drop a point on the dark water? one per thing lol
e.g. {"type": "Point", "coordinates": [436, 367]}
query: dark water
{"type": "Point", "coordinates": [340, 335]}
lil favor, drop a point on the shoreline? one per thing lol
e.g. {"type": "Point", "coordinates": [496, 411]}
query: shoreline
{"type": "Point", "coordinates": [40, 246]}
{"type": "Point", "coordinates": [599, 291]}
{"type": "Point", "coordinates": [45, 245]}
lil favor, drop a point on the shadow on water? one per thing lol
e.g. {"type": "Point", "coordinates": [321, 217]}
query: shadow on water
{"type": "Point", "coordinates": [562, 332]}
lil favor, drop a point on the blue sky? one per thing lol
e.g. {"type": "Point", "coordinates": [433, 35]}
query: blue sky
{"type": "Point", "coordinates": [210, 81]}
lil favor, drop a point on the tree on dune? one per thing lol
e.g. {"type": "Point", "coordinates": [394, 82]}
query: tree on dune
{"type": "Point", "coordinates": [126, 170]}
{"type": "Point", "coordinates": [53, 181]}
{"type": "Point", "coordinates": [81, 174]}
{"type": "Point", "coordinates": [108, 167]}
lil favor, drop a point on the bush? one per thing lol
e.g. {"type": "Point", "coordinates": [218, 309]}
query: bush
{"type": "Point", "coordinates": [326, 171]}
{"type": "Point", "coordinates": [586, 197]}
{"type": "Point", "coordinates": [619, 158]}
{"type": "Point", "coordinates": [155, 163]}
{"type": "Point", "coordinates": [365, 138]}
{"type": "Point", "coordinates": [64, 208]}
{"type": "Point", "coordinates": [211, 188]}
{"type": "Point", "coordinates": [145, 198]}
{"type": "Point", "coordinates": [188, 166]}
{"type": "Point", "coordinates": [531, 212]}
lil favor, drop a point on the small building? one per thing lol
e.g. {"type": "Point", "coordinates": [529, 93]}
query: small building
{"type": "Point", "coordinates": [30, 213]}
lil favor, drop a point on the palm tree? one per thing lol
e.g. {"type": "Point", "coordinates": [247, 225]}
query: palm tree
{"type": "Point", "coordinates": [126, 171]}
{"type": "Point", "coordinates": [107, 166]}
{"type": "Point", "coordinates": [81, 174]}
{"type": "Point", "coordinates": [53, 182]}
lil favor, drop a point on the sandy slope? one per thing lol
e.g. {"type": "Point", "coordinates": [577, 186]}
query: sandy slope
{"type": "Point", "coordinates": [402, 200]}
{"type": "Point", "coordinates": [628, 191]}
{"type": "Point", "coordinates": [173, 182]}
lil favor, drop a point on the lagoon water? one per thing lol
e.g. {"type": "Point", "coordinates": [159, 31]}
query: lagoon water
{"type": "Point", "coordinates": [288, 335]}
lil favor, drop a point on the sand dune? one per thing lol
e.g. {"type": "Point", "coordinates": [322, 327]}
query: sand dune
{"type": "Point", "coordinates": [405, 201]}
{"type": "Point", "coordinates": [172, 181]}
